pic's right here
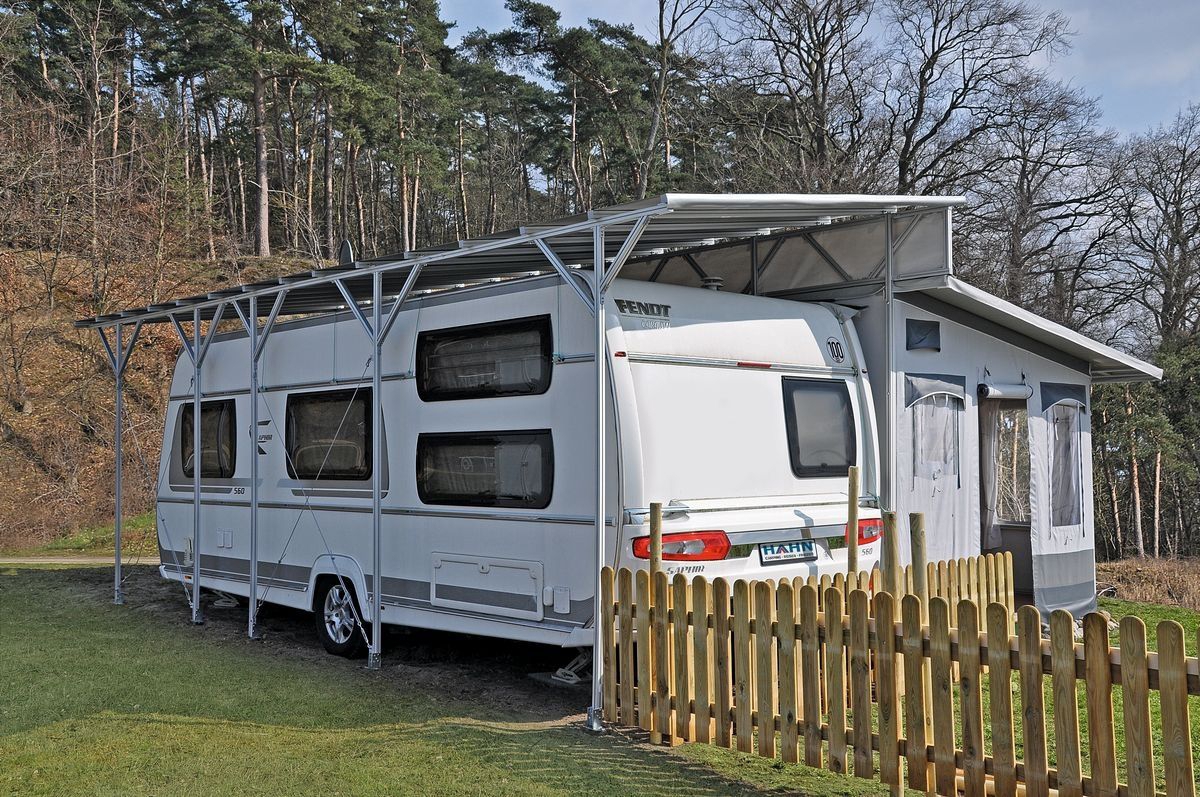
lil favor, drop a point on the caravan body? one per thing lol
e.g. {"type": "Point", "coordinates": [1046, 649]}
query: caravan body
{"type": "Point", "coordinates": [740, 414]}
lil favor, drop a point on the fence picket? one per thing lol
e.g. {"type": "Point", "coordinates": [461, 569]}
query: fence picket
{"type": "Point", "coordinates": [835, 678]}
{"type": "Point", "coordinates": [860, 684]}
{"type": "Point", "coordinates": [680, 628]}
{"type": "Point", "coordinates": [703, 664]}
{"type": "Point", "coordinates": [645, 647]}
{"type": "Point", "coordinates": [887, 683]}
{"type": "Point", "coordinates": [914, 696]}
{"type": "Point", "coordinates": [1102, 753]}
{"type": "Point", "coordinates": [1066, 704]}
{"type": "Point", "coordinates": [788, 735]}
{"type": "Point", "coordinates": [625, 646]}
{"type": "Point", "coordinates": [742, 705]}
{"type": "Point", "coordinates": [764, 655]}
{"type": "Point", "coordinates": [943, 702]}
{"type": "Point", "coordinates": [1004, 764]}
{"type": "Point", "coordinates": [810, 675]}
{"type": "Point", "coordinates": [1033, 711]}
{"type": "Point", "coordinates": [661, 635]}
{"type": "Point", "coordinates": [608, 647]}
{"type": "Point", "coordinates": [971, 697]}
{"type": "Point", "coordinates": [1176, 727]}
{"type": "Point", "coordinates": [1139, 741]}
{"type": "Point", "coordinates": [722, 672]}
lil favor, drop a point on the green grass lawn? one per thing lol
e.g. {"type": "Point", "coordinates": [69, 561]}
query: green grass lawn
{"type": "Point", "coordinates": [138, 538]}
{"type": "Point", "coordinates": [100, 699]}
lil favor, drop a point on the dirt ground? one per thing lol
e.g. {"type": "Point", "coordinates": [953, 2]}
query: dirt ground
{"type": "Point", "coordinates": [1171, 582]}
{"type": "Point", "coordinates": [467, 667]}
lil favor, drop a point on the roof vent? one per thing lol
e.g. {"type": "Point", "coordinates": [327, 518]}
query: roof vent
{"type": "Point", "coordinates": [712, 283]}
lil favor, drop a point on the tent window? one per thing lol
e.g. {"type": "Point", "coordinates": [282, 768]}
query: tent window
{"type": "Point", "coordinates": [218, 443]}
{"type": "Point", "coordinates": [506, 358]}
{"type": "Point", "coordinates": [1005, 451]}
{"type": "Point", "coordinates": [1066, 490]}
{"type": "Point", "coordinates": [329, 435]}
{"type": "Point", "coordinates": [936, 437]}
{"type": "Point", "coordinates": [920, 334]}
{"type": "Point", "coordinates": [820, 427]}
{"type": "Point", "coordinates": [508, 469]}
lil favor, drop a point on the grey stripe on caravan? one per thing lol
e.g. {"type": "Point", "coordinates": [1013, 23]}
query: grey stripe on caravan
{"type": "Point", "coordinates": [566, 359]}
{"type": "Point", "coordinates": [585, 520]}
{"type": "Point", "coordinates": [396, 591]}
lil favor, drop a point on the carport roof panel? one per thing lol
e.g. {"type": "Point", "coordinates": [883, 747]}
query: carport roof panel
{"type": "Point", "coordinates": [673, 221]}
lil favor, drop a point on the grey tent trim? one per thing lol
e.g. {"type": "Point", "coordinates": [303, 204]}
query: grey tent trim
{"type": "Point", "coordinates": [918, 386]}
{"type": "Point", "coordinates": [1059, 392]}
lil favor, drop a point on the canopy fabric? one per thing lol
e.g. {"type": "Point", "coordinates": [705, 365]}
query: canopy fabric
{"type": "Point", "coordinates": [918, 386]}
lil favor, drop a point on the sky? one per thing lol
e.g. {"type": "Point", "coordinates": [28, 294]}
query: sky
{"type": "Point", "coordinates": [1141, 59]}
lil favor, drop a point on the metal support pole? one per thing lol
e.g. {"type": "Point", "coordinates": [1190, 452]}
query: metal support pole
{"type": "Point", "coordinates": [377, 333]}
{"type": "Point", "coordinates": [119, 373]}
{"type": "Point", "coordinates": [197, 463]}
{"type": "Point", "coordinates": [252, 607]}
{"type": "Point", "coordinates": [889, 299]}
{"type": "Point", "coordinates": [594, 712]}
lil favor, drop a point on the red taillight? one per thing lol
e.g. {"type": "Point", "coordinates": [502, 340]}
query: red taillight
{"type": "Point", "coordinates": [687, 546]}
{"type": "Point", "coordinates": [868, 531]}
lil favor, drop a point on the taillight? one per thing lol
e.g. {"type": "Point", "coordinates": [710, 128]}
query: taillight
{"type": "Point", "coordinates": [868, 531]}
{"type": "Point", "coordinates": [687, 546]}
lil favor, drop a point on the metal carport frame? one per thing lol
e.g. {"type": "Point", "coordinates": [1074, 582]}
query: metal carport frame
{"type": "Point", "coordinates": [604, 239]}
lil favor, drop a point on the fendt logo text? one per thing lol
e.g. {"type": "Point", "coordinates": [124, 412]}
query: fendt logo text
{"type": "Point", "coordinates": [630, 307]}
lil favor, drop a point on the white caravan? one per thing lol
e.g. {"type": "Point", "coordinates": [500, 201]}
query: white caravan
{"type": "Point", "coordinates": [740, 414]}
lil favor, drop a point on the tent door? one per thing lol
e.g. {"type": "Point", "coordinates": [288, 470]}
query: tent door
{"type": "Point", "coordinates": [1004, 471]}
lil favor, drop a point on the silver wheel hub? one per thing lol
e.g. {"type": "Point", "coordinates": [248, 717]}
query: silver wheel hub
{"type": "Point", "coordinates": [339, 614]}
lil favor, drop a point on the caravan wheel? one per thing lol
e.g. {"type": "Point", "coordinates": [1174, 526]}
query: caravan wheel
{"type": "Point", "coordinates": [335, 612]}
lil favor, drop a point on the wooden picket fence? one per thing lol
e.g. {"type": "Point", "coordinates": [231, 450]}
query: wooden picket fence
{"type": "Point", "coordinates": [853, 681]}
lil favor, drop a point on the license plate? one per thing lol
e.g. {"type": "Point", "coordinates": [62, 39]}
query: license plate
{"type": "Point", "coordinates": [773, 553]}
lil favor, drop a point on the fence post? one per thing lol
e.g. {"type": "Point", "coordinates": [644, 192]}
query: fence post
{"type": "Point", "coordinates": [852, 520]}
{"type": "Point", "coordinates": [655, 539]}
{"type": "Point", "coordinates": [891, 555]}
{"type": "Point", "coordinates": [704, 665]}
{"type": "Point", "coordinates": [645, 658]}
{"type": "Point", "coordinates": [764, 677]}
{"type": "Point", "coordinates": [860, 684]}
{"type": "Point", "coordinates": [971, 699]}
{"type": "Point", "coordinates": [943, 704]}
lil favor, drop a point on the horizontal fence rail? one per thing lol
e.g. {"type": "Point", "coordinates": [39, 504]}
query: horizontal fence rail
{"type": "Point", "coordinates": [939, 695]}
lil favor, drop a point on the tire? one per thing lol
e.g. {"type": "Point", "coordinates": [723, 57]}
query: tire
{"type": "Point", "coordinates": [334, 612]}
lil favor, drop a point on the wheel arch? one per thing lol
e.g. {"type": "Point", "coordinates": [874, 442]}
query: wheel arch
{"type": "Point", "coordinates": [331, 566]}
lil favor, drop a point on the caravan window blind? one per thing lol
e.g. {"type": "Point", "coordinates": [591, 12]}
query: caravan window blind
{"type": "Point", "coordinates": [329, 434]}
{"type": "Point", "coordinates": [218, 441]}
{"type": "Point", "coordinates": [509, 469]}
{"type": "Point", "coordinates": [820, 427]}
{"type": "Point", "coordinates": [503, 358]}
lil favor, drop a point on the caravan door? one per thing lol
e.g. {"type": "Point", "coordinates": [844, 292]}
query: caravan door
{"type": "Point", "coordinates": [932, 423]}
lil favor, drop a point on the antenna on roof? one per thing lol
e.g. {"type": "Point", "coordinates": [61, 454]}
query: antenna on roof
{"type": "Point", "coordinates": [345, 253]}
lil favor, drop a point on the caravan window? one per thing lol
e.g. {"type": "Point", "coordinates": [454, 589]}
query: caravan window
{"type": "Point", "coordinates": [510, 469]}
{"type": "Point", "coordinates": [1066, 491]}
{"type": "Point", "coordinates": [329, 434]}
{"type": "Point", "coordinates": [218, 441]}
{"type": "Point", "coordinates": [505, 358]}
{"type": "Point", "coordinates": [820, 427]}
